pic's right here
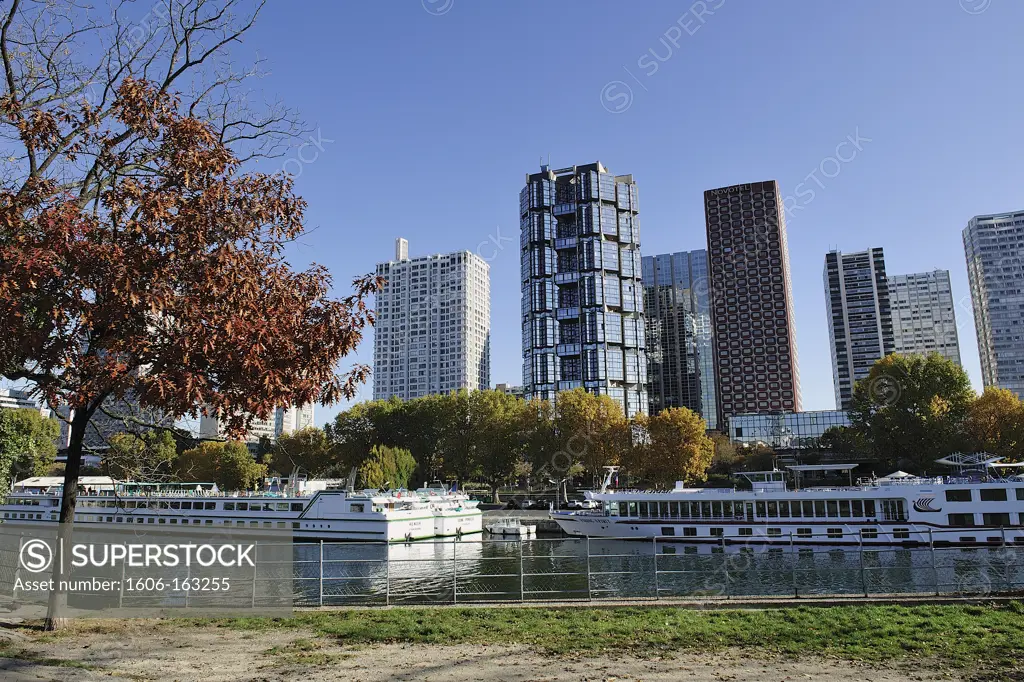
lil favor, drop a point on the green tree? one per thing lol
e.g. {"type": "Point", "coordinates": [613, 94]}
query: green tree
{"type": "Point", "coordinates": [911, 409]}
{"type": "Point", "coordinates": [310, 450]}
{"type": "Point", "coordinates": [140, 457]}
{"type": "Point", "coordinates": [497, 446]}
{"type": "Point", "coordinates": [387, 467]}
{"type": "Point", "coordinates": [27, 443]}
{"type": "Point", "coordinates": [680, 447]}
{"type": "Point", "coordinates": [844, 440]}
{"type": "Point", "coordinates": [230, 465]}
{"type": "Point", "coordinates": [995, 424]}
{"type": "Point", "coordinates": [726, 459]}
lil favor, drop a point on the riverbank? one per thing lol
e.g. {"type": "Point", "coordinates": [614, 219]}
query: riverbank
{"type": "Point", "coordinates": [654, 643]}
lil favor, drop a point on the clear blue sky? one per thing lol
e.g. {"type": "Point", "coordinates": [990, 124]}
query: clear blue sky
{"type": "Point", "coordinates": [436, 110]}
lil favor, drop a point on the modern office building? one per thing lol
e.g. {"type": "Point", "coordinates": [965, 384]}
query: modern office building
{"type": "Point", "coordinates": [785, 431]}
{"type": "Point", "coordinates": [754, 333]}
{"type": "Point", "coordinates": [994, 246]}
{"type": "Point", "coordinates": [14, 399]}
{"type": "Point", "coordinates": [923, 315]}
{"type": "Point", "coordinates": [582, 304]}
{"type": "Point", "coordinates": [680, 356]}
{"type": "Point", "coordinates": [281, 421]}
{"type": "Point", "coordinates": [859, 317]}
{"type": "Point", "coordinates": [115, 416]}
{"type": "Point", "coordinates": [433, 330]}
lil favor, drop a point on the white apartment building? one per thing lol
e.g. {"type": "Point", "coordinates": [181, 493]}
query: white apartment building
{"type": "Point", "coordinates": [13, 399]}
{"type": "Point", "coordinates": [923, 315]}
{"type": "Point", "coordinates": [433, 329]}
{"type": "Point", "coordinates": [283, 420]}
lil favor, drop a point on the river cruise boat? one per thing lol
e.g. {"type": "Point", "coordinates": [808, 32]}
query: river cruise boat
{"type": "Point", "coordinates": [310, 510]}
{"type": "Point", "coordinates": [979, 507]}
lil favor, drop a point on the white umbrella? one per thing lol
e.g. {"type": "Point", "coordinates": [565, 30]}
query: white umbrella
{"type": "Point", "coordinates": [897, 474]}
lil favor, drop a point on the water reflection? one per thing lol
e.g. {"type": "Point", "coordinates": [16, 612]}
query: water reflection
{"type": "Point", "coordinates": [544, 569]}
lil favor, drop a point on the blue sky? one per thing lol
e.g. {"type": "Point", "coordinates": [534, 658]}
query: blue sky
{"type": "Point", "coordinates": [429, 114]}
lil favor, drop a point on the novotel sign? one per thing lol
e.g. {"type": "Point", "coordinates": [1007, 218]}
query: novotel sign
{"type": "Point", "coordinates": [730, 190]}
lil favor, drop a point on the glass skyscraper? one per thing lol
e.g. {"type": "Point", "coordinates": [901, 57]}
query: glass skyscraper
{"type": "Point", "coordinates": [582, 303]}
{"type": "Point", "coordinates": [681, 363]}
{"type": "Point", "coordinates": [994, 246]}
{"type": "Point", "coordinates": [860, 317]}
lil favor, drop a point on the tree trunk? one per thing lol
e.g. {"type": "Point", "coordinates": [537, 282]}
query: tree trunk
{"type": "Point", "coordinates": [58, 596]}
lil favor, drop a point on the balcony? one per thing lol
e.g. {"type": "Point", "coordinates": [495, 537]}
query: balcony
{"type": "Point", "coordinates": [567, 313]}
{"type": "Point", "coordinates": [566, 242]}
{"type": "Point", "coordinates": [565, 209]}
{"type": "Point", "coordinates": [566, 277]}
{"type": "Point", "coordinates": [567, 349]}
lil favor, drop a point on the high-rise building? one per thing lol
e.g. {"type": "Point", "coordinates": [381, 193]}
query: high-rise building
{"type": "Point", "coordinates": [582, 304]}
{"type": "Point", "coordinates": [753, 330]}
{"type": "Point", "coordinates": [281, 421]}
{"type": "Point", "coordinates": [923, 314]}
{"type": "Point", "coordinates": [115, 416]}
{"type": "Point", "coordinates": [994, 245]}
{"type": "Point", "coordinates": [680, 356]}
{"type": "Point", "coordinates": [859, 317]}
{"type": "Point", "coordinates": [433, 330]}
{"type": "Point", "coordinates": [15, 399]}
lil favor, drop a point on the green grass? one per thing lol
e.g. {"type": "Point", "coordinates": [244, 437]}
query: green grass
{"type": "Point", "coordinates": [981, 637]}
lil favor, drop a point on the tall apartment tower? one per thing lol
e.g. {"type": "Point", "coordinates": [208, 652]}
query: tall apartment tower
{"type": "Point", "coordinates": [582, 304]}
{"type": "Point", "coordinates": [753, 330]}
{"type": "Point", "coordinates": [994, 245]}
{"type": "Point", "coordinates": [433, 330]}
{"type": "Point", "coordinates": [859, 317]}
{"type": "Point", "coordinates": [281, 421]}
{"type": "Point", "coordinates": [923, 315]}
{"type": "Point", "coordinates": [680, 356]}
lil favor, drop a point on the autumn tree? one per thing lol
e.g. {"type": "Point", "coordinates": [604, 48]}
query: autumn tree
{"type": "Point", "coordinates": [147, 456]}
{"type": "Point", "coordinates": [27, 443]}
{"type": "Point", "coordinates": [680, 448]}
{"type": "Point", "coordinates": [911, 409]}
{"type": "Point", "coordinates": [995, 424]}
{"type": "Point", "coordinates": [137, 255]}
{"type": "Point", "coordinates": [495, 418]}
{"type": "Point", "coordinates": [591, 430]}
{"type": "Point", "coordinates": [228, 464]}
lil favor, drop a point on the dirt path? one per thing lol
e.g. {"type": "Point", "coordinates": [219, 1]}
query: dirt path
{"type": "Point", "coordinates": [177, 653]}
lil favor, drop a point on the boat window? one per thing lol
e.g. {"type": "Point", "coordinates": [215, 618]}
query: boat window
{"type": "Point", "coordinates": [356, 507]}
{"type": "Point", "coordinates": [901, 533]}
{"type": "Point", "coordinates": [833, 509]}
{"type": "Point", "coordinates": [795, 509]}
{"type": "Point", "coordinates": [892, 510]}
{"type": "Point", "coordinates": [242, 506]}
{"type": "Point", "coordinates": [784, 509]}
{"type": "Point", "coordinates": [675, 510]}
{"type": "Point", "coordinates": [819, 509]}
{"type": "Point", "coordinates": [717, 532]}
{"type": "Point", "coordinates": [1020, 493]}
{"type": "Point", "coordinates": [188, 505]}
{"type": "Point", "coordinates": [668, 530]}
{"type": "Point", "coordinates": [835, 533]}
{"type": "Point", "coordinates": [869, 508]}
{"type": "Point", "coordinates": [760, 510]}
{"type": "Point", "coordinates": [960, 520]}
{"type": "Point", "coordinates": [705, 510]}
{"type": "Point", "coordinates": [746, 531]}
{"type": "Point", "coordinates": [773, 510]}
{"type": "Point", "coordinates": [858, 508]}
{"type": "Point", "coordinates": [632, 509]}
{"type": "Point", "coordinates": [774, 532]}
{"type": "Point", "coordinates": [282, 506]}
{"type": "Point", "coordinates": [996, 519]}
{"type": "Point", "coordinates": [229, 506]}
{"type": "Point", "coordinates": [175, 505]}
{"type": "Point", "coordinates": [958, 496]}
{"type": "Point", "coordinates": [869, 533]}
{"type": "Point", "coordinates": [716, 510]}
{"type": "Point", "coordinates": [611, 508]}
{"type": "Point", "coordinates": [993, 494]}
{"type": "Point", "coordinates": [803, 532]}
{"type": "Point", "coordinates": [689, 532]}
{"type": "Point", "coordinates": [296, 506]}
{"type": "Point", "coordinates": [844, 509]}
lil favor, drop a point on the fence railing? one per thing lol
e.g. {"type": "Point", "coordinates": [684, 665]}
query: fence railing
{"type": "Point", "coordinates": [477, 570]}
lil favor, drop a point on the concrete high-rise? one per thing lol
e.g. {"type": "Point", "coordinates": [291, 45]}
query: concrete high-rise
{"type": "Point", "coordinates": [680, 355]}
{"type": "Point", "coordinates": [754, 334]}
{"type": "Point", "coordinates": [433, 330]}
{"type": "Point", "coordinates": [582, 303]}
{"type": "Point", "coordinates": [923, 315]}
{"type": "Point", "coordinates": [859, 317]}
{"type": "Point", "coordinates": [994, 246]}
{"type": "Point", "coordinates": [283, 420]}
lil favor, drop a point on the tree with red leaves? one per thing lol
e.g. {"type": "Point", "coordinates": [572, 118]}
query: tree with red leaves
{"type": "Point", "coordinates": [137, 256]}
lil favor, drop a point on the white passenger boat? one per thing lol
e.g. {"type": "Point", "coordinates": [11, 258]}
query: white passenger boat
{"type": "Point", "coordinates": [977, 507]}
{"type": "Point", "coordinates": [511, 526]}
{"type": "Point", "coordinates": [317, 510]}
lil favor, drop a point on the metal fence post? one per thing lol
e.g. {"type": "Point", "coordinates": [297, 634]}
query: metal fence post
{"type": "Point", "coordinates": [590, 593]}
{"type": "Point", "coordinates": [522, 579]}
{"type": "Point", "coordinates": [657, 586]}
{"type": "Point", "coordinates": [255, 564]}
{"type": "Point", "coordinates": [188, 579]}
{"type": "Point", "coordinates": [792, 560]}
{"type": "Point", "coordinates": [725, 570]}
{"type": "Point", "coordinates": [320, 601]}
{"type": "Point", "coordinates": [17, 570]}
{"type": "Point", "coordinates": [120, 589]}
{"type": "Point", "coordinates": [863, 572]}
{"type": "Point", "coordinates": [455, 572]}
{"type": "Point", "coordinates": [935, 567]}
{"type": "Point", "coordinates": [387, 573]}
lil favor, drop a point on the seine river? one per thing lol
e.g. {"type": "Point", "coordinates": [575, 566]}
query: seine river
{"type": "Point", "coordinates": [480, 569]}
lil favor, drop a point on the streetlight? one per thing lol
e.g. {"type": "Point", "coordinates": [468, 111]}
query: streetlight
{"type": "Point", "coordinates": [558, 489]}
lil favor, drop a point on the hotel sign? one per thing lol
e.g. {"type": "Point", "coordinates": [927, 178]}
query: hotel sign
{"type": "Point", "coordinates": [730, 190]}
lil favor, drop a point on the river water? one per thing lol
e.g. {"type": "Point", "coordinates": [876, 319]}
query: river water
{"type": "Point", "coordinates": [480, 569]}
